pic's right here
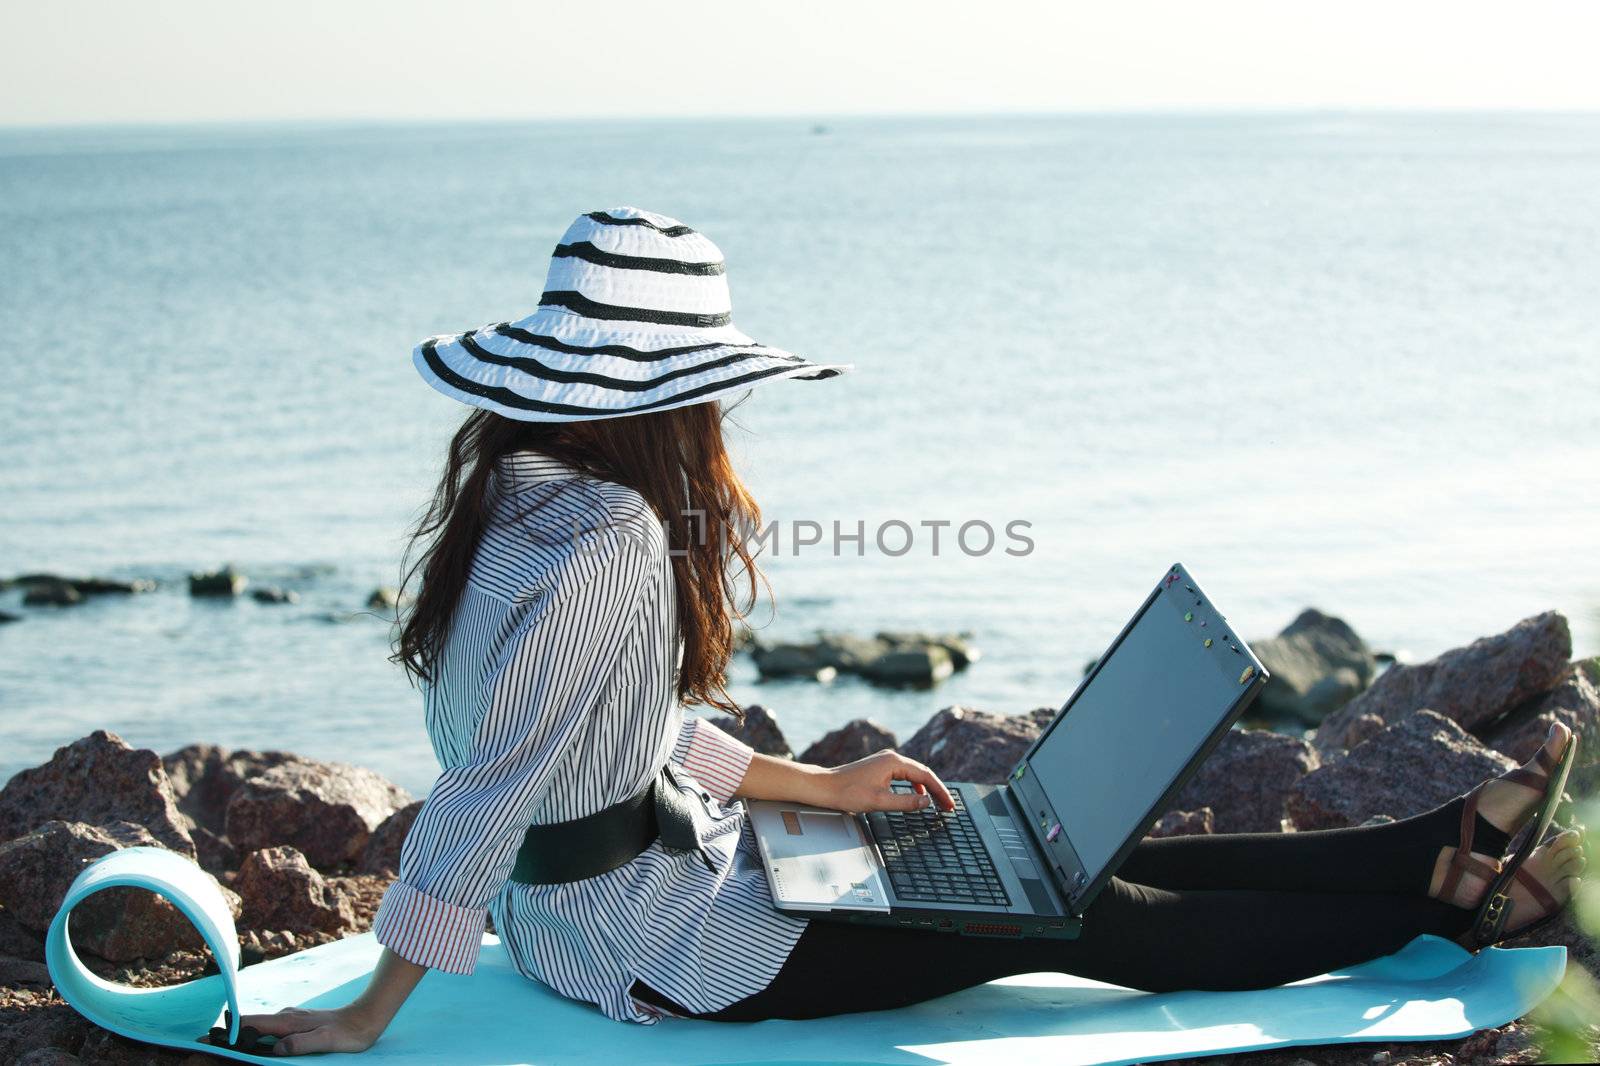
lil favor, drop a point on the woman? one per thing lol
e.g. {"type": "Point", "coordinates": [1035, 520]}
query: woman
{"type": "Point", "coordinates": [585, 555]}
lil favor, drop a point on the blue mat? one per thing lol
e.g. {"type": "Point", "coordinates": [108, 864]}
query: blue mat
{"type": "Point", "coordinates": [1431, 989]}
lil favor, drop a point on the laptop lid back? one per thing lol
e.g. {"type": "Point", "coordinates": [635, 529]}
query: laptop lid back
{"type": "Point", "coordinates": [1138, 726]}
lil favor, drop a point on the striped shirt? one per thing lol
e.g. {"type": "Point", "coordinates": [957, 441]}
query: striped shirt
{"type": "Point", "coordinates": [553, 698]}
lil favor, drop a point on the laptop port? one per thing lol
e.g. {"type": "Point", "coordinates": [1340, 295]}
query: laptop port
{"type": "Point", "coordinates": [991, 929]}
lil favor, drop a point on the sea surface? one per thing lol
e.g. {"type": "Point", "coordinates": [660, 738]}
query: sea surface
{"type": "Point", "coordinates": [1342, 360]}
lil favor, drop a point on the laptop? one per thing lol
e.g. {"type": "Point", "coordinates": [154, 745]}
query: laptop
{"type": "Point", "coordinates": [1025, 858]}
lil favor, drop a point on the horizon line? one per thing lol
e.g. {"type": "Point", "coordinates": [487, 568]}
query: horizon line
{"type": "Point", "coordinates": [1154, 110]}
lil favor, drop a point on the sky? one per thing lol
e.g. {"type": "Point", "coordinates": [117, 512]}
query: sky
{"type": "Point", "coordinates": [111, 61]}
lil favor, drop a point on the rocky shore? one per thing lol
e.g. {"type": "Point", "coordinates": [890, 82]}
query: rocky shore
{"type": "Point", "coordinates": [303, 849]}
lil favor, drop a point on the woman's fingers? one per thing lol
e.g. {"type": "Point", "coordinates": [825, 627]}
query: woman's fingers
{"type": "Point", "coordinates": [322, 1038]}
{"type": "Point", "coordinates": [926, 781]}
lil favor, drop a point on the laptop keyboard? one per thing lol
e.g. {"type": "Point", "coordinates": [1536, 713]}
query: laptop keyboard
{"type": "Point", "coordinates": [934, 857]}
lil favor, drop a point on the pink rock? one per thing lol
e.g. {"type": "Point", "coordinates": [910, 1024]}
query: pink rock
{"type": "Point", "coordinates": [204, 778]}
{"type": "Point", "coordinates": [383, 848]}
{"type": "Point", "coordinates": [1471, 685]}
{"type": "Point", "coordinates": [962, 744]}
{"type": "Point", "coordinates": [1575, 701]}
{"type": "Point", "coordinates": [119, 924]}
{"type": "Point", "coordinates": [851, 741]}
{"type": "Point", "coordinates": [1183, 824]}
{"type": "Point", "coordinates": [759, 729]}
{"type": "Point", "coordinates": [1414, 765]}
{"type": "Point", "coordinates": [279, 890]}
{"type": "Point", "coordinates": [325, 810]}
{"type": "Point", "coordinates": [1246, 779]}
{"type": "Point", "coordinates": [96, 780]}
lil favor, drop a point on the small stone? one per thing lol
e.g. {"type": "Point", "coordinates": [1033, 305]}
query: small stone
{"type": "Point", "coordinates": [1184, 823]}
{"type": "Point", "coordinates": [387, 598]}
{"type": "Point", "coordinates": [1414, 765]}
{"type": "Point", "coordinates": [278, 889]}
{"type": "Point", "coordinates": [853, 740]}
{"type": "Point", "coordinates": [1471, 685]}
{"type": "Point", "coordinates": [273, 594]}
{"type": "Point", "coordinates": [224, 582]}
{"type": "Point", "coordinates": [962, 744]}
{"type": "Point", "coordinates": [326, 810]}
{"type": "Point", "coordinates": [96, 780]}
{"type": "Point", "coordinates": [759, 729]}
{"type": "Point", "coordinates": [383, 848]}
{"type": "Point", "coordinates": [921, 667]}
{"type": "Point", "coordinates": [1246, 779]}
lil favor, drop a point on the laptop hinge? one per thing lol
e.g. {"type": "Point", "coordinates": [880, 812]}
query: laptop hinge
{"type": "Point", "coordinates": [1041, 854]}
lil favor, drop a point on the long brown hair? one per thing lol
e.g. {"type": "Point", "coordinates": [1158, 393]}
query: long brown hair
{"type": "Point", "coordinates": [675, 459]}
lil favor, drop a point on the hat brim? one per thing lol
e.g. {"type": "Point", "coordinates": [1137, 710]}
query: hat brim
{"type": "Point", "coordinates": [554, 366]}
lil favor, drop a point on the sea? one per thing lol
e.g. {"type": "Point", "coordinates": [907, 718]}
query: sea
{"type": "Point", "coordinates": [1342, 360]}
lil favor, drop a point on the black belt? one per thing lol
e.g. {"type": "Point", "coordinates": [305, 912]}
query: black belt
{"type": "Point", "coordinates": [600, 842]}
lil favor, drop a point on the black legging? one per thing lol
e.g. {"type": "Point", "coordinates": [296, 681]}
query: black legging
{"type": "Point", "coordinates": [1243, 910]}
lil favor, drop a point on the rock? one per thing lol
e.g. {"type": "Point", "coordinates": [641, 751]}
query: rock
{"type": "Point", "coordinates": [326, 810]}
{"type": "Point", "coordinates": [7, 616]}
{"type": "Point", "coordinates": [1184, 823]}
{"type": "Point", "coordinates": [51, 594]}
{"type": "Point", "coordinates": [204, 778]}
{"type": "Point", "coordinates": [213, 851]}
{"type": "Point", "coordinates": [1317, 664]}
{"type": "Point", "coordinates": [96, 780]}
{"type": "Point", "coordinates": [101, 586]}
{"type": "Point", "coordinates": [17, 940]}
{"type": "Point", "coordinates": [1361, 727]}
{"type": "Point", "coordinates": [48, 1056]}
{"type": "Point", "coordinates": [1246, 779]}
{"type": "Point", "coordinates": [120, 924]}
{"type": "Point", "coordinates": [959, 646]}
{"type": "Point", "coordinates": [383, 847]}
{"type": "Point", "coordinates": [1471, 685]}
{"type": "Point", "coordinates": [853, 740]}
{"type": "Point", "coordinates": [273, 594]}
{"type": "Point", "coordinates": [962, 744]}
{"type": "Point", "coordinates": [921, 667]}
{"type": "Point", "coordinates": [224, 582]}
{"type": "Point", "coordinates": [23, 973]}
{"type": "Point", "coordinates": [1574, 701]}
{"type": "Point", "coordinates": [56, 1028]}
{"type": "Point", "coordinates": [781, 661]}
{"type": "Point", "coordinates": [1417, 763]}
{"type": "Point", "coordinates": [759, 730]}
{"type": "Point", "coordinates": [278, 889]}
{"type": "Point", "coordinates": [846, 653]}
{"type": "Point", "coordinates": [388, 598]}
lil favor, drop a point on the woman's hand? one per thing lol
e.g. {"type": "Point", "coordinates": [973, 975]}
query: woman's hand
{"type": "Point", "coordinates": [864, 785]}
{"type": "Point", "coordinates": [304, 1032]}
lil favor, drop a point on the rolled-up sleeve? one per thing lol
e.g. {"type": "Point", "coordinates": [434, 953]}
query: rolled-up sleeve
{"type": "Point", "coordinates": [553, 669]}
{"type": "Point", "coordinates": [712, 757]}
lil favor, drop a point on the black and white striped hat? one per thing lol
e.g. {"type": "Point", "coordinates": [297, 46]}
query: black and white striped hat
{"type": "Point", "coordinates": [635, 317]}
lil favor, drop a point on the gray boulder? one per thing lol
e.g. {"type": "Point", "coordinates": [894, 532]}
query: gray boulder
{"type": "Point", "coordinates": [1413, 765]}
{"type": "Point", "coordinates": [910, 667]}
{"type": "Point", "coordinates": [274, 594]}
{"type": "Point", "coordinates": [1574, 701]}
{"type": "Point", "coordinates": [224, 582]}
{"type": "Point", "coordinates": [1246, 779]}
{"type": "Point", "coordinates": [1318, 663]}
{"type": "Point", "coordinates": [1471, 686]}
{"type": "Point", "coordinates": [962, 744]}
{"type": "Point", "coordinates": [783, 661]}
{"type": "Point", "coordinates": [853, 740]}
{"type": "Point", "coordinates": [325, 810]}
{"type": "Point", "coordinates": [963, 653]}
{"type": "Point", "coordinates": [759, 729]}
{"type": "Point", "coordinates": [96, 780]}
{"type": "Point", "coordinates": [54, 593]}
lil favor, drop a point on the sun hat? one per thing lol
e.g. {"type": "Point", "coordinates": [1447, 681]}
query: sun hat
{"type": "Point", "coordinates": [635, 317]}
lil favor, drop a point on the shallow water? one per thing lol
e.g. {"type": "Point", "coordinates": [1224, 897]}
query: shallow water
{"type": "Point", "coordinates": [1342, 360]}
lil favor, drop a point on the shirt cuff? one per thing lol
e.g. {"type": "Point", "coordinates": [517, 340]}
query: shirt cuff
{"type": "Point", "coordinates": [429, 931]}
{"type": "Point", "coordinates": [713, 758]}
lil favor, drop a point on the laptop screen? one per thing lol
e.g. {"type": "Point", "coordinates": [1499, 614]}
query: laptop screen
{"type": "Point", "coordinates": [1133, 727]}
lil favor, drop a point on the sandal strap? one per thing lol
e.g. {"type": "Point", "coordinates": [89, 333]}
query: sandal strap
{"type": "Point", "coordinates": [1541, 895]}
{"type": "Point", "coordinates": [1530, 778]}
{"type": "Point", "coordinates": [1463, 862]}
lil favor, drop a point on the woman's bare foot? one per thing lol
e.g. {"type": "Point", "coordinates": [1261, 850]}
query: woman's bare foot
{"type": "Point", "coordinates": [1557, 868]}
{"type": "Point", "coordinates": [1506, 805]}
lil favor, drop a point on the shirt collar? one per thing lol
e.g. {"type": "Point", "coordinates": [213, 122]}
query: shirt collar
{"type": "Point", "coordinates": [527, 468]}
